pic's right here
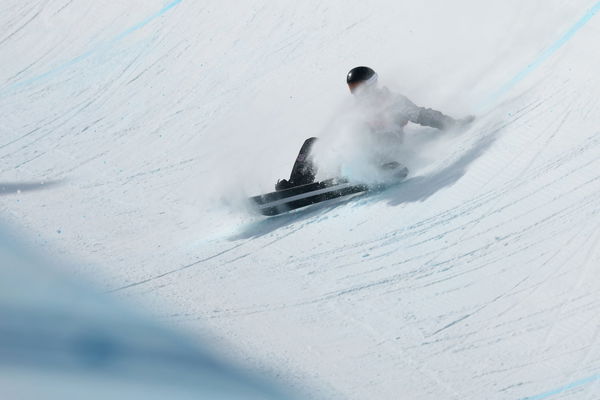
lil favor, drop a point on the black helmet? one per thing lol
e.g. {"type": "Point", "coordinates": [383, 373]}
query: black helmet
{"type": "Point", "coordinates": [360, 74]}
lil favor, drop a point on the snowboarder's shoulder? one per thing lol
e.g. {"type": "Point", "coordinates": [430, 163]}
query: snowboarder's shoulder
{"type": "Point", "coordinates": [395, 98]}
{"type": "Point", "coordinates": [386, 93]}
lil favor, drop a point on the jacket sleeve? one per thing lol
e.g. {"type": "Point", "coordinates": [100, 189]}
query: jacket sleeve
{"type": "Point", "coordinates": [425, 116]}
{"type": "Point", "coordinates": [434, 118]}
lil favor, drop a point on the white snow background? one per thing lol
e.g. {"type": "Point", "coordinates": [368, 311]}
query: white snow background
{"type": "Point", "coordinates": [131, 133]}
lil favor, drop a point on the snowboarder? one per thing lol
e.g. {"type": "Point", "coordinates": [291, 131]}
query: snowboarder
{"type": "Point", "coordinates": [390, 112]}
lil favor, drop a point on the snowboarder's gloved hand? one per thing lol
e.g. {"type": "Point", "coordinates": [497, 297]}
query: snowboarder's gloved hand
{"type": "Point", "coordinates": [461, 122]}
{"type": "Point", "coordinates": [466, 120]}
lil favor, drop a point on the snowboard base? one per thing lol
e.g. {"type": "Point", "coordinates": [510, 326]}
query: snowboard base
{"type": "Point", "coordinates": [282, 201]}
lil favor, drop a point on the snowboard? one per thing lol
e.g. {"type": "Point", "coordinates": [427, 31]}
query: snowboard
{"type": "Point", "coordinates": [282, 201]}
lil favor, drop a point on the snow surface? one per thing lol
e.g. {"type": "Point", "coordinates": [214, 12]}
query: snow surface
{"type": "Point", "coordinates": [61, 339]}
{"type": "Point", "coordinates": [132, 131]}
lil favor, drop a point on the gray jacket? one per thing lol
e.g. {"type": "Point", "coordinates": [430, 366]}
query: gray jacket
{"type": "Point", "coordinates": [391, 112]}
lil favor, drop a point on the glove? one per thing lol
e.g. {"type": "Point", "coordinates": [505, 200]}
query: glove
{"type": "Point", "coordinates": [465, 121]}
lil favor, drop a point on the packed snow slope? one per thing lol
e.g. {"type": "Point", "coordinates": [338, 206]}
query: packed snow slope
{"type": "Point", "coordinates": [61, 339]}
{"type": "Point", "coordinates": [131, 131]}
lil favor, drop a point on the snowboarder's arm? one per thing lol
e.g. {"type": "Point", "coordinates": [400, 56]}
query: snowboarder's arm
{"type": "Point", "coordinates": [433, 118]}
{"type": "Point", "coordinates": [429, 117]}
{"type": "Point", "coordinates": [425, 116]}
